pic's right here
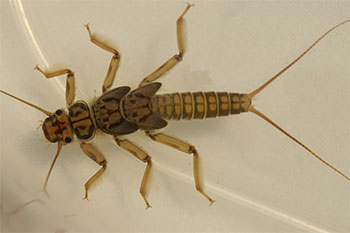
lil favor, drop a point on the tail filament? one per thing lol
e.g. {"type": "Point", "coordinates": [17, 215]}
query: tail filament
{"type": "Point", "coordinates": [255, 92]}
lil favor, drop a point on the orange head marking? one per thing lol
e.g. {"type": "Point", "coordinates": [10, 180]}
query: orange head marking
{"type": "Point", "coordinates": [57, 128]}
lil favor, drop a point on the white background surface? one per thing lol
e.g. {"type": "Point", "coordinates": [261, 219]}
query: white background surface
{"type": "Point", "coordinates": [260, 179]}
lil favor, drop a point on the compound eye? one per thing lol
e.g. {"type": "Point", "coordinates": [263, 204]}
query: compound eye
{"type": "Point", "coordinates": [68, 139]}
{"type": "Point", "coordinates": [58, 112]}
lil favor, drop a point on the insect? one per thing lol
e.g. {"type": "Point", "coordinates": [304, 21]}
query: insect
{"type": "Point", "coordinates": [123, 111]}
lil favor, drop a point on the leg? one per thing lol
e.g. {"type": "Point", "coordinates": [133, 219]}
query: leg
{"type": "Point", "coordinates": [113, 65]}
{"type": "Point", "coordinates": [69, 84]}
{"type": "Point", "coordinates": [185, 147]}
{"type": "Point", "coordinates": [141, 155]}
{"type": "Point", "coordinates": [174, 59]}
{"type": "Point", "coordinates": [95, 155]}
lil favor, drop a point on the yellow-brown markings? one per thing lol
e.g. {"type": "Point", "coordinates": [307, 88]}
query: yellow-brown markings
{"type": "Point", "coordinates": [187, 106]}
{"type": "Point", "coordinates": [112, 105]}
{"type": "Point", "coordinates": [81, 121]}
{"type": "Point", "coordinates": [78, 113]}
{"type": "Point", "coordinates": [235, 103]}
{"type": "Point", "coordinates": [212, 110]}
{"type": "Point", "coordinates": [168, 106]}
{"type": "Point", "coordinates": [177, 112]}
{"type": "Point", "coordinates": [224, 104]}
{"type": "Point", "coordinates": [161, 105]}
{"type": "Point", "coordinates": [83, 127]}
{"type": "Point", "coordinates": [199, 105]}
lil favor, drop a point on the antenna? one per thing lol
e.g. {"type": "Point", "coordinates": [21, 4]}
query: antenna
{"type": "Point", "coordinates": [23, 101]}
{"type": "Point", "coordinates": [59, 146]}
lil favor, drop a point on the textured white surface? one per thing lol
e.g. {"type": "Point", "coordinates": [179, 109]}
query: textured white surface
{"type": "Point", "coordinates": [260, 179]}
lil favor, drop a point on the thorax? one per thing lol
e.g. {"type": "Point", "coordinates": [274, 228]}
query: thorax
{"type": "Point", "coordinates": [82, 120]}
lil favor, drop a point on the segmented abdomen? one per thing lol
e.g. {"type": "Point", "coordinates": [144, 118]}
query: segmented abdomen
{"type": "Point", "coordinates": [199, 105]}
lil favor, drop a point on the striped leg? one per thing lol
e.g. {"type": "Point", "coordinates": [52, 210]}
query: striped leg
{"type": "Point", "coordinates": [141, 155]}
{"type": "Point", "coordinates": [69, 84]}
{"type": "Point", "coordinates": [95, 155]}
{"type": "Point", "coordinates": [174, 59]}
{"type": "Point", "coordinates": [113, 65]}
{"type": "Point", "coordinates": [184, 147]}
